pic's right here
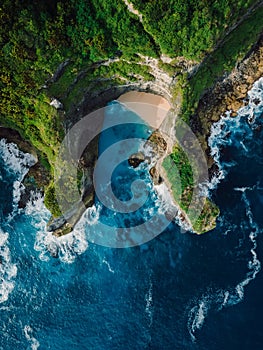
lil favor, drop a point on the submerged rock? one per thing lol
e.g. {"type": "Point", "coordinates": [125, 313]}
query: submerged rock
{"type": "Point", "coordinates": [53, 249]}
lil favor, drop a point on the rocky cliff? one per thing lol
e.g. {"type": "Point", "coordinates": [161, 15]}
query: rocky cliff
{"type": "Point", "coordinates": [228, 94]}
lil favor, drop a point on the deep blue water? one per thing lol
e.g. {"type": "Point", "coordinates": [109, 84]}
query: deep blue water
{"type": "Point", "coordinates": [178, 291]}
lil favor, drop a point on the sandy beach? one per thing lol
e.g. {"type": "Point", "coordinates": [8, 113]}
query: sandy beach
{"type": "Point", "coordinates": [151, 108]}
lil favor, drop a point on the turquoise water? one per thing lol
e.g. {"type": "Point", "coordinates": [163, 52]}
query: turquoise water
{"type": "Point", "coordinates": [177, 291]}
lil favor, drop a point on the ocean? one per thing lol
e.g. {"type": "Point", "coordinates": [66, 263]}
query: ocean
{"type": "Point", "coordinates": [176, 291]}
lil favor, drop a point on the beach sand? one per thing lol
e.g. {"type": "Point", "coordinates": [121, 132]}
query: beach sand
{"type": "Point", "coordinates": [151, 108]}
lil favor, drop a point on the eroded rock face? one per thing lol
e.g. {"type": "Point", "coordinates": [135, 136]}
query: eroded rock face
{"type": "Point", "coordinates": [66, 222]}
{"type": "Point", "coordinates": [157, 179]}
{"type": "Point", "coordinates": [228, 94]}
{"type": "Point", "coordinates": [157, 142]}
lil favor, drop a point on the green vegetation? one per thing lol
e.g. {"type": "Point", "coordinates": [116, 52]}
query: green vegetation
{"type": "Point", "coordinates": [118, 72]}
{"type": "Point", "coordinates": [207, 219]}
{"type": "Point", "coordinates": [181, 176]}
{"type": "Point", "coordinates": [51, 201]}
{"type": "Point", "coordinates": [222, 60]}
{"type": "Point", "coordinates": [189, 28]}
{"type": "Point", "coordinates": [180, 173]}
{"type": "Point", "coordinates": [36, 37]}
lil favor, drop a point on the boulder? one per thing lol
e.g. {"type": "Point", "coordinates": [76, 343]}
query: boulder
{"type": "Point", "coordinates": [136, 159]}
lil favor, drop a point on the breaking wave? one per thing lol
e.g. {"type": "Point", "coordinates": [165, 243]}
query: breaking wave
{"type": "Point", "coordinates": [228, 131]}
{"type": "Point", "coordinates": [8, 270]}
{"type": "Point", "coordinates": [16, 164]}
{"type": "Point", "coordinates": [67, 247]}
{"type": "Point", "coordinates": [239, 133]}
{"type": "Point", "coordinates": [34, 343]}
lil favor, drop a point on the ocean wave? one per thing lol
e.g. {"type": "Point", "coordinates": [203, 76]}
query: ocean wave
{"type": "Point", "coordinates": [149, 303]}
{"type": "Point", "coordinates": [15, 160]}
{"type": "Point", "coordinates": [231, 131]}
{"type": "Point", "coordinates": [8, 270]}
{"type": "Point", "coordinates": [34, 343]}
{"type": "Point", "coordinates": [65, 248]}
{"type": "Point", "coordinates": [16, 163]}
{"type": "Point", "coordinates": [197, 315]}
{"type": "Point", "coordinates": [237, 132]}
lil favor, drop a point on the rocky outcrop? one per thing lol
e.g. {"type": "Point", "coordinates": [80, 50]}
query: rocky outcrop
{"type": "Point", "coordinates": [12, 135]}
{"type": "Point", "coordinates": [37, 175]}
{"type": "Point", "coordinates": [228, 94]}
{"type": "Point", "coordinates": [136, 159]}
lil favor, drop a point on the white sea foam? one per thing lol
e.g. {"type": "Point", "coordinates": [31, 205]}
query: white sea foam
{"type": "Point", "coordinates": [67, 247]}
{"type": "Point", "coordinates": [104, 261]}
{"type": "Point", "coordinates": [165, 204]}
{"type": "Point", "coordinates": [221, 131]}
{"type": "Point", "coordinates": [17, 163]}
{"type": "Point", "coordinates": [224, 298]}
{"type": "Point", "coordinates": [8, 269]}
{"type": "Point", "coordinates": [212, 300]}
{"type": "Point", "coordinates": [197, 315]}
{"type": "Point", "coordinates": [149, 303]}
{"type": "Point", "coordinates": [254, 265]}
{"type": "Point", "coordinates": [34, 343]}
{"type": "Point", "coordinates": [15, 160]}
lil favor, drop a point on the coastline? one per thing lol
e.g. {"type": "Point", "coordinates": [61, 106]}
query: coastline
{"type": "Point", "coordinates": [227, 95]}
{"type": "Point", "coordinates": [37, 175]}
{"type": "Point", "coordinates": [155, 113]}
{"type": "Point", "coordinates": [210, 107]}
{"type": "Point", "coordinates": [155, 110]}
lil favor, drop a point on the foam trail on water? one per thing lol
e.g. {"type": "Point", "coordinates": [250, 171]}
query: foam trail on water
{"type": "Point", "coordinates": [8, 270]}
{"type": "Point", "coordinates": [254, 264]}
{"type": "Point", "coordinates": [236, 295]}
{"type": "Point", "coordinates": [197, 315]}
{"type": "Point", "coordinates": [104, 261]}
{"type": "Point", "coordinates": [224, 298]}
{"type": "Point", "coordinates": [149, 303]}
{"type": "Point", "coordinates": [34, 343]}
